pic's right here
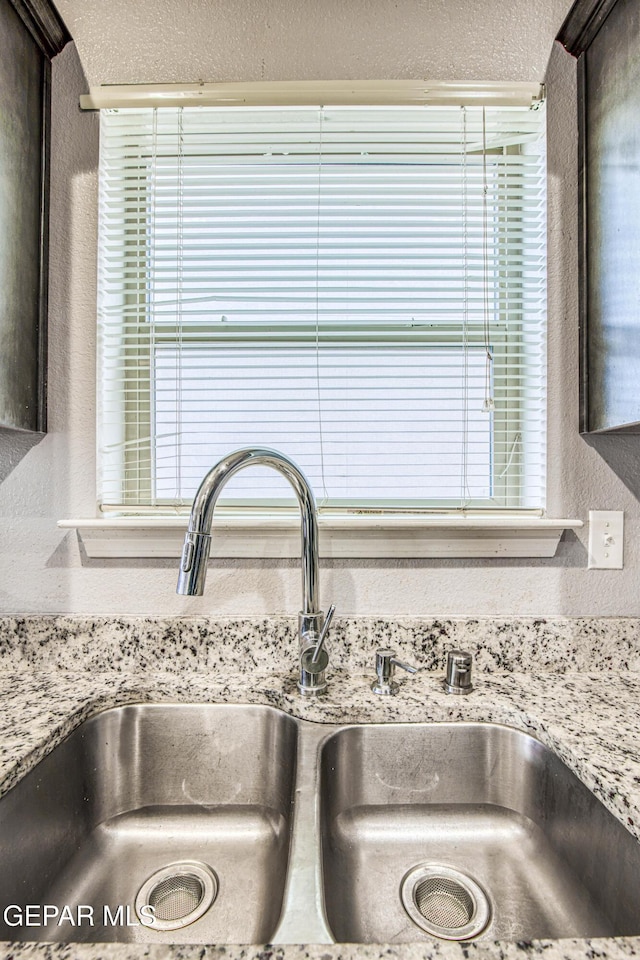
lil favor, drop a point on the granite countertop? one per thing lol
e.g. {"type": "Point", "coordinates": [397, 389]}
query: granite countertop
{"type": "Point", "coordinates": [574, 684]}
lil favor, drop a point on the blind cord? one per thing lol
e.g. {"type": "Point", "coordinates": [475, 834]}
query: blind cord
{"type": "Point", "coordinates": [465, 491]}
{"type": "Point", "coordinates": [489, 404]}
{"type": "Point", "coordinates": [151, 317]}
{"type": "Point", "coordinates": [180, 277]}
{"type": "Point", "coordinates": [325, 494]}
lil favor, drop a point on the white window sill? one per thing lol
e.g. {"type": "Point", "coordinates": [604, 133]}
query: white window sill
{"type": "Point", "coordinates": [341, 536]}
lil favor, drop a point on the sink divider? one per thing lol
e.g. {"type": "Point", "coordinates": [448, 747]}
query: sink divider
{"type": "Point", "coordinates": [303, 917]}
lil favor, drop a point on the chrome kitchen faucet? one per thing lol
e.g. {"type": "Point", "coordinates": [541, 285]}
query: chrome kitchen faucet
{"type": "Point", "coordinates": [312, 623]}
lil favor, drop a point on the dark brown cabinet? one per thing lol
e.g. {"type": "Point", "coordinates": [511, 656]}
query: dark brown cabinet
{"type": "Point", "coordinates": [30, 34]}
{"type": "Point", "coordinates": [605, 36]}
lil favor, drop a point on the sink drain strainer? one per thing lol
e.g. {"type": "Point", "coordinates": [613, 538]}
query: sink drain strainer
{"type": "Point", "coordinates": [179, 894]}
{"type": "Point", "coordinates": [445, 902]}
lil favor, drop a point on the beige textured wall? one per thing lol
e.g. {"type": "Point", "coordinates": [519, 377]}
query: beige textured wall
{"type": "Point", "coordinates": [172, 40]}
{"type": "Point", "coordinates": [182, 40]}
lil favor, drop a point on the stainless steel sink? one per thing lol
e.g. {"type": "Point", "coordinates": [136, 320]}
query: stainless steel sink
{"type": "Point", "coordinates": [239, 824]}
{"type": "Point", "coordinates": [424, 825]}
{"type": "Point", "coordinates": [139, 788]}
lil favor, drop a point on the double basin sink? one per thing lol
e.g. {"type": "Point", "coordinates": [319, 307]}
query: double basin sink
{"type": "Point", "coordinates": [241, 824]}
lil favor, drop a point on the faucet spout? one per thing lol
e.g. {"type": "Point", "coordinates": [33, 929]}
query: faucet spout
{"type": "Point", "coordinates": [197, 543]}
{"type": "Point", "coordinates": [193, 567]}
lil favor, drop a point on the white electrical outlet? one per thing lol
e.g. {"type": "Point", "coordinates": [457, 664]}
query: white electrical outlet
{"type": "Point", "coordinates": [606, 539]}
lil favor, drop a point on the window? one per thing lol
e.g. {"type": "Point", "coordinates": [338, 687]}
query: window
{"type": "Point", "coordinates": [362, 288]}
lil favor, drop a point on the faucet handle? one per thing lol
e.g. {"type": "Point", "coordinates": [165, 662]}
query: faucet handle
{"type": "Point", "coordinates": [314, 660]}
{"type": "Point", "coordinates": [323, 633]}
{"type": "Point", "coordinates": [313, 667]}
{"type": "Point", "coordinates": [386, 662]}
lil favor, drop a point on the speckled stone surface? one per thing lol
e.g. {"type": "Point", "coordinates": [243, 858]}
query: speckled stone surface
{"type": "Point", "coordinates": [574, 684]}
{"type": "Point", "coordinates": [547, 949]}
{"type": "Point", "coordinates": [523, 644]}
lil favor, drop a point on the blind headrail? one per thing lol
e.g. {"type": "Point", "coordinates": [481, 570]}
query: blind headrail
{"type": "Point", "coordinates": [313, 92]}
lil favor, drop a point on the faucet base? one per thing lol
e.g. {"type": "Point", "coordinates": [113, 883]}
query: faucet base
{"type": "Point", "coordinates": [385, 689]}
{"type": "Point", "coordinates": [315, 691]}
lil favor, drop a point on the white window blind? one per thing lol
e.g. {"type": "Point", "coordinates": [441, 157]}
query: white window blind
{"type": "Point", "coordinates": [362, 288]}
